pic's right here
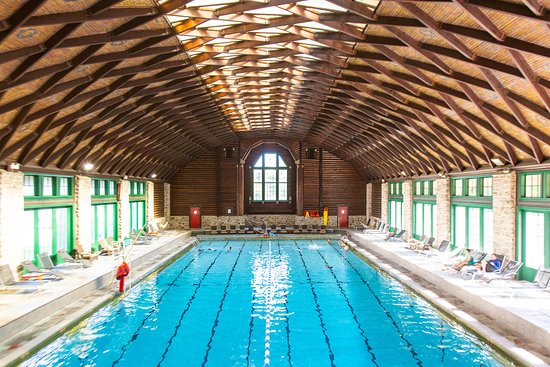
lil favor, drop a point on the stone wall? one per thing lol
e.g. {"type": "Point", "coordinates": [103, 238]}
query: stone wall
{"type": "Point", "coordinates": [149, 201]}
{"type": "Point", "coordinates": [384, 215]}
{"type": "Point", "coordinates": [12, 207]}
{"type": "Point", "coordinates": [443, 201]}
{"type": "Point", "coordinates": [83, 212]}
{"type": "Point", "coordinates": [368, 211]}
{"type": "Point", "coordinates": [167, 200]}
{"type": "Point", "coordinates": [504, 213]}
{"type": "Point", "coordinates": [408, 208]}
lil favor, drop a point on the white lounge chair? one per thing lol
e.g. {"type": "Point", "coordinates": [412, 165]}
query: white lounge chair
{"type": "Point", "coordinates": [69, 259]}
{"type": "Point", "coordinates": [8, 282]}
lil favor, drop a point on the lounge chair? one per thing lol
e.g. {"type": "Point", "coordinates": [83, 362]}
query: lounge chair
{"type": "Point", "coordinates": [426, 246]}
{"type": "Point", "coordinates": [69, 259]}
{"type": "Point", "coordinates": [414, 243]}
{"type": "Point", "coordinates": [509, 271]}
{"type": "Point", "coordinates": [8, 282]}
{"type": "Point", "coordinates": [323, 229]}
{"type": "Point", "coordinates": [382, 229]}
{"type": "Point", "coordinates": [397, 237]}
{"type": "Point", "coordinates": [47, 263]}
{"type": "Point", "coordinates": [233, 229]}
{"type": "Point", "coordinates": [223, 230]}
{"type": "Point", "coordinates": [466, 270]}
{"type": "Point", "coordinates": [162, 226]}
{"type": "Point", "coordinates": [80, 253]}
{"type": "Point", "coordinates": [107, 249]}
{"type": "Point", "coordinates": [443, 245]}
{"type": "Point", "coordinates": [281, 229]}
{"type": "Point", "coordinates": [542, 278]}
{"type": "Point", "coordinates": [40, 274]}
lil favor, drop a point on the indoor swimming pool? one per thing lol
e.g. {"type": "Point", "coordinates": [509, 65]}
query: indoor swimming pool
{"type": "Point", "coordinates": [268, 303]}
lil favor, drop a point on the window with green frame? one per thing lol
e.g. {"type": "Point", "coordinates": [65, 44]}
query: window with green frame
{"type": "Point", "coordinates": [47, 229]}
{"type": "Point", "coordinates": [481, 187]}
{"type": "Point", "coordinates": [137, 188]}
{"type": "Point", "coordinates": [425, 188]}
{"type": "Point", "coordinates": [270, 178]}
{"type": "Point", "coordinates": [47, 186]}
{"type": "Point", "coordinates": [424, 218]}
{"type": "Point", "coordinates": [533, 221]}
{"type": "Point", "coordinates": [395, 204]}
{"type": "Point", "coordinates": [472, 226]}
{"type": "Point", "coordinates": [101, 187]}
{"type": "Point", "coordinates": [137, 215]}
{"type": "Point", "coordinates": [104, 222]}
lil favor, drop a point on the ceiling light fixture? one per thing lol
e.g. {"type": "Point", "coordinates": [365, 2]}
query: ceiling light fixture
{"type": "Point", "coordinates": [88, 166]}
{"type": "Point", "coordinates": [154, 175]}
{"type": "Point", "coordinates": [12, 167]}
{"type": "Point", "coordinates": [498, 161]}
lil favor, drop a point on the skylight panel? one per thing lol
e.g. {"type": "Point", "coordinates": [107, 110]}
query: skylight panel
{"type": "Point", "coordinates": [322, 4]}
{"type": "Point", "coordinates": [270, 10]}
{"type": "Point", "coordinates": [204, 3]}
{"type": "Point", "coordinates": [216, 23]}
{"type": "Point", "coordinates": [314, 26]}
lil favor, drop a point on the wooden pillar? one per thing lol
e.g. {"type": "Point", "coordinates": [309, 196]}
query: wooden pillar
{"type": "Point", "coordinates": [299, 183]}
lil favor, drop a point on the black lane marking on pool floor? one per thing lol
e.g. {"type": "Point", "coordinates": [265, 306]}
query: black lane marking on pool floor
{"type": "Point", "coordinates": [317, 306]}
{"type": "Point", "coordinates": [251, 323]}
{"type": "Point", "coordinates": [362, 331]}
{"type": "Point", "coordinates": [287, 326]}
{"type": "Point", "coordinates": [388, 314]}
{"type": "Point", "coordinates": [187, 307]}
{"type": "Point", "coordinates": [216, 321]}
{"type": "Point", "coordinates": [151, 312]}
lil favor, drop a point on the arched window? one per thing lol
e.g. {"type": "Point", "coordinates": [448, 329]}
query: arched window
{"type": "Point", "coordinates": [270, 178]}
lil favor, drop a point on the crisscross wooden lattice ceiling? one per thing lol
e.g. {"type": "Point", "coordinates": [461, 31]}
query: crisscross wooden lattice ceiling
{"type": "Point", "coordinates": [398, 88]}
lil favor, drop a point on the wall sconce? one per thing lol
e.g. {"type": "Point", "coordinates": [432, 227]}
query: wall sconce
{"type": "Point", "coordinates": [383, 181]}
{"type": "Point", "coordinates": [125, 177]}
{"type": "Point", "coordinates": [442, 174]}
{"type": "Point", "coordinates": [13, 167]}
{"type": "Point", "coordinates": [88, 166]}
{"type": "Point", "coordinates": [506, 170]}
{"type": "Point", "coordinates": [154, 175]}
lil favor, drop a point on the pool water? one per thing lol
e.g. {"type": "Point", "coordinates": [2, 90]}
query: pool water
{"type": "Point", "coordinates": [267, 303]}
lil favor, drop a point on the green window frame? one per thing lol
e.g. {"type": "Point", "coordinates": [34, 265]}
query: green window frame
{"type": "Point", "coordinates": [533, 222]}
{"type": "Point", "coordinates": [137, 188]}
{"type": "Point", "coordinates": [102, 187]}
{"type": "Point", "coordinates": [137, 215]}
{"type": "Point", "coordinates": [472, 226]}
{"type": "Point", "coordinates": [104, 222]}
{"type": "Point", "coordinates": [424, 218]}
{"type": "Point", "coordinates": [425, 188]}
{"type": "Point", "coordinates": [47, 229]}
{"type": "Point", "coordinates": [395, 189]}
{"type": "Point", "coordinates": [270, 179]}
{"type": "Point", "coordinates": [472, 187]}
{"type": "Point", "coordinates": [395, 213]}
{"type": "Point", "coordinates": [39, 186]}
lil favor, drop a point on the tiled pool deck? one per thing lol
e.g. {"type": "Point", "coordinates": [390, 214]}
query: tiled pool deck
{"type": "Point", "coordinates": [513, 315]}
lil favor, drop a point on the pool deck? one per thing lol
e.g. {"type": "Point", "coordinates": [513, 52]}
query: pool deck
{"type": "Point", "coordinates": [513, 315]}
{"type": "Point", "coordinates": [29, 320]}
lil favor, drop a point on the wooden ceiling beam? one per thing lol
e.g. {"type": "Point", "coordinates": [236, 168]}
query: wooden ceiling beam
{"type": "Point", "coordinates": [19, 17]}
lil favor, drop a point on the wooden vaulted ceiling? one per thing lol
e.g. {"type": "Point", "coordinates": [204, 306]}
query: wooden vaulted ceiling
{"type": "Point", "coordinates": [396, 87]}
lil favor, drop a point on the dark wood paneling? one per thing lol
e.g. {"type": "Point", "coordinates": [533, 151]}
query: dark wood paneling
{"type": "Point", "coordinates": [376, 199]}
{"type": "Point", "coordinates": [228, 180]}
{"type": "Point", "coordinates": [195, 185]}
{"type": "Point", "coordinates": [158, 197]}
{"type": "Point", "coordinates": [311, 182]}
{"type": "Point", "coordinates": [342, 185]}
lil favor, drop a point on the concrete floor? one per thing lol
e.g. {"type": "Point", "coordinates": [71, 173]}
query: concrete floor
{"type": "Point", "coordinates": [513, 315]}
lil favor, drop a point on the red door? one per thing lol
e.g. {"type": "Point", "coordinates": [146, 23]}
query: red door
{"type": "Point", "coordinates": [342, 217]}
{"type": "Point", "coordinates": [195, 218]}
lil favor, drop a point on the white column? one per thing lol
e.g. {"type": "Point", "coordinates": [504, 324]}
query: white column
{"type": "Point", "coordinates": [384, 209]}
{"type": "Point", "coordinates": [408, 208]}
{"type": "Point", "coordinates": [12, 211]}
{"type": "Point", "coordinates": [124, 209]}
{"type": "Point", "coordinates": [443, 201]}
{"type": "Point", "coordinates": [83, 212]}
{"type": "Point", "coordinates": [504, 213]}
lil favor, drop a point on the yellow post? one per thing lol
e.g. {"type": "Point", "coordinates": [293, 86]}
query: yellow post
{"type": "Point", "coordinates": [325, 216]}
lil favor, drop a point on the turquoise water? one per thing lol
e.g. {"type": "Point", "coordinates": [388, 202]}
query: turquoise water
{"type": "Point", "coordinates": [267, 303]}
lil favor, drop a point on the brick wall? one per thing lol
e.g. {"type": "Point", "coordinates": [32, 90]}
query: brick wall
{"type": "Point", "coordinates": [408, 208]}
{"type": "Point", "coordinates": [443, 201]}
{"type": "Point", "coordinates": [83, 212]}
{"type": "Point", "coordinates": [384, 202]}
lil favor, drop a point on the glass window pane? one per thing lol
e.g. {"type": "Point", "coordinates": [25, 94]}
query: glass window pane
{"type": "Point", "coordinates": [460, 226]}
{"type": "Point", "coordinates": [417, 188]}
{"type": "Point", "coordinates": [63, 186]}
{"type": "Point", "coordinates": [270, 191]}
{"type": "Point", "coordinates": [270, 160]}
{"type": "Point", "coordinates": [45, 230]}
{"type": "Point", "coordinates": [472, 187]}
{"type": "Point", "coordinates": [112, 188]}
{"type": "Point", "coordinates": [257, 175]}
{"type": "Point", "coordinates": [533, 186]}
{"type": "Point", "coordinates": [283, 175]}
{"type": "Point", "coordinates": [434, 220]}
{"type": "Point", "coordinates": [534, 239]}
{"type": "Point", "coordinates": [488, 230]}
{"type": "Point", "coordinates": [111, 219]}
{"type": "Point", "coordinates": [101, 221]}
{"type": "Point", "coordinates": [434, 188]}
{"type": "Point", "coordinates": [427, 220]}
{"type": "Point", "coordinates": [28, 235]}
{"type": "Point", "coordinates": [47, 186]}
{"type": "Point", "coordinates": [258, 193]}
{"type": "Point", "coordinates": [458, 188]}
{"type": "Point", "coordinates": [62, 228]}
{"type": "Point", "coordinates": [101, 187]}
{"type": "Point", "coordinates": [487, 186]}
{"type": "Point", "coordinates": [281, 162]}
{"type": "Point", "coordinates": [28, 186]}
{"type": "Point", "coordinates": [259, 162]}
{"type": "Point", "coordinates": [399, 215]}
{"type": "Point", "coordinates": [270, 175]}
{"type": "Point", "coordinates": [474, 229]}
{"type": "Point", "coordinates": [283, 194]}
{"type": "Point", "coordinates": [419, 217]}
